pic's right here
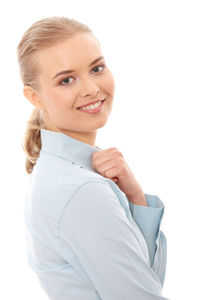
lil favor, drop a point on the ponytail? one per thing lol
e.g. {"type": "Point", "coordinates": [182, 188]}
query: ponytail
{"type": "Point", "coordinates": [32, 139]}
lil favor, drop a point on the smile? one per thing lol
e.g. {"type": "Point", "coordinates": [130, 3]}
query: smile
{"type": "Point", "coordinates": [93, 108]}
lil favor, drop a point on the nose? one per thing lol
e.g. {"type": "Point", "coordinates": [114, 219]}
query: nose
{"type": "Point", "coordinates": [89, 88]}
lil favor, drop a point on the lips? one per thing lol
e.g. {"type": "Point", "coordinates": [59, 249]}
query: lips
{"type": "Point", "coordinates": [93, 102]}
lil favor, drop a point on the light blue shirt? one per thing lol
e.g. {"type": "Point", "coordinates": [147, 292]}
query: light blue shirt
{"type": "Point", "coordinates": [85, 240]}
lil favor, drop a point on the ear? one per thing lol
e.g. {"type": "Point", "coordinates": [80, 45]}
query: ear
{"type": "Point", "coordinates": [33, 97]}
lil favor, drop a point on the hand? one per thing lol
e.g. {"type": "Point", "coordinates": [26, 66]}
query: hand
{"type": "Point", "coordinates": [110, 163]}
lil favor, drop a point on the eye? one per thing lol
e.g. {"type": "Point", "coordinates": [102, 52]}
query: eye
{"type": "Point", "coordinates": [65, 81]}
{"type": "Point", "coordinates": [100, 66]}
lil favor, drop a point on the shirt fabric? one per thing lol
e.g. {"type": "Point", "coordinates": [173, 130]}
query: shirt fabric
{"type": "Point", "coordinates": [85, 239]}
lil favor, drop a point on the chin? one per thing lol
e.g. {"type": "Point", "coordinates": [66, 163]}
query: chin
{"type": "Point", "coordinates": [99, 124]}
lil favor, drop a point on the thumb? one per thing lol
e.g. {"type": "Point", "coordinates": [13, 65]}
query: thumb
{"type": "Point", "coordinates": [115, 179]}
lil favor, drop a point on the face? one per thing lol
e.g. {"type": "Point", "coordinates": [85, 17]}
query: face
{"type": "Point", "coordinates": [62, 92]}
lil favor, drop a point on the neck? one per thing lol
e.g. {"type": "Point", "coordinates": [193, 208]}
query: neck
{"type": "Point", "coordinates": [85, 137]}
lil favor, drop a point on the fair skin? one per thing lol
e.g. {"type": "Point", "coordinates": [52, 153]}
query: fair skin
{"type": "Point", "coordinates": [59, 96]}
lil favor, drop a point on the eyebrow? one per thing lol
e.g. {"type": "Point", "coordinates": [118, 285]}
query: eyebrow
{"type": "Point", "coordinates": [70, 71]}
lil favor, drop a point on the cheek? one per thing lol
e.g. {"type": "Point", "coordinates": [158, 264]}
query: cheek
{"type": "Point", "coordinates": [109, 83]}
{"type": "Point", "coordinates": [59, 100]}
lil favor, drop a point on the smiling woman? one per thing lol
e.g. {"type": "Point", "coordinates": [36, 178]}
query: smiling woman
{"type": "Point", "coordinates": [55, 96]}
{"type": "Point", "coordinates": [91, 231]}
{"type": "Point", "coordinates": [89, 83]}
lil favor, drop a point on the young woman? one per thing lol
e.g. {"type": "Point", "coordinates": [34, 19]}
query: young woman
{"type": "Point", "coordinates": [91, 231]}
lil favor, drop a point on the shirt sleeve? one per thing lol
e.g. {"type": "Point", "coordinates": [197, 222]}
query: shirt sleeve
{"type": "Point", "coordinates": [95, 226]}
{"type": "Point", "coordinates": [148, 219]}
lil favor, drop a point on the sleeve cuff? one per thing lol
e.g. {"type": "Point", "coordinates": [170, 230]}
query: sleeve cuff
{"type": "Point", "coordinates": [148, 216]}
{"type": "Point", "coordinates": [148, 219]}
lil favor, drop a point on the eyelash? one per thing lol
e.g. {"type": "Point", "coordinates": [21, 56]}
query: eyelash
{"type": "Point", "coordinates": [61, 82]}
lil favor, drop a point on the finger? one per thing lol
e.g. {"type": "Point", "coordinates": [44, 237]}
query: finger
{"type": "Point", "coordinates": [108, 158]}
{"type": "Point", "coordinates": [98, 160]}
{"type": "Point", "coordinates": [105, 151]}
{"type": "Point", "coordinates": [102, 153]}
{"type": "Point", "coordinates": [102, 163]}
{"type": "Point", "coordinates": [106, 167]}
{"type": "Point", "coordinates": [111, 173]}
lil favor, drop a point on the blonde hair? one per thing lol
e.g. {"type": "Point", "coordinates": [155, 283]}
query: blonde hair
{"type": "Point", "coordinates": [42, 34]}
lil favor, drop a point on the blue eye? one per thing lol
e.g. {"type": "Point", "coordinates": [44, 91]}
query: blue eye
{"type": "Point", "coordinates": [65, 81]}
{"type": "Point", "coordinates": [102, 66]}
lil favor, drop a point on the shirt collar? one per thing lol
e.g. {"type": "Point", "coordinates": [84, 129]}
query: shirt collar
{"type": "Point", "coordinates": [64, 146]}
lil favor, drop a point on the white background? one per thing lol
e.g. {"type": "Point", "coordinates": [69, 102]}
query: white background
{"type": "Point", "coordinates": [153, 51]}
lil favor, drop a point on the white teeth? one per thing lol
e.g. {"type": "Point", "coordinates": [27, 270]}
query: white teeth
{"type": "Point", "coordinates": [92, 106]}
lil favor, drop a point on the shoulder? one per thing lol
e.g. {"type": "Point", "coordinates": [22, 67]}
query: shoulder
{"type": "Point", "coordinates": [54, 182]}
{"type": "Point", "coordinates": [93, 188]}
{"type": "Point", "coordinates": [49, 166]}
{"type": "Point", "coordinates": [94, 202]}
{"type": "Point", "coordinates": [98, 197]}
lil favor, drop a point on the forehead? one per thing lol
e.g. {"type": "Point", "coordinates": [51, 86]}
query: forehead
{"type": "Point", "coordinates": [73, 53]}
